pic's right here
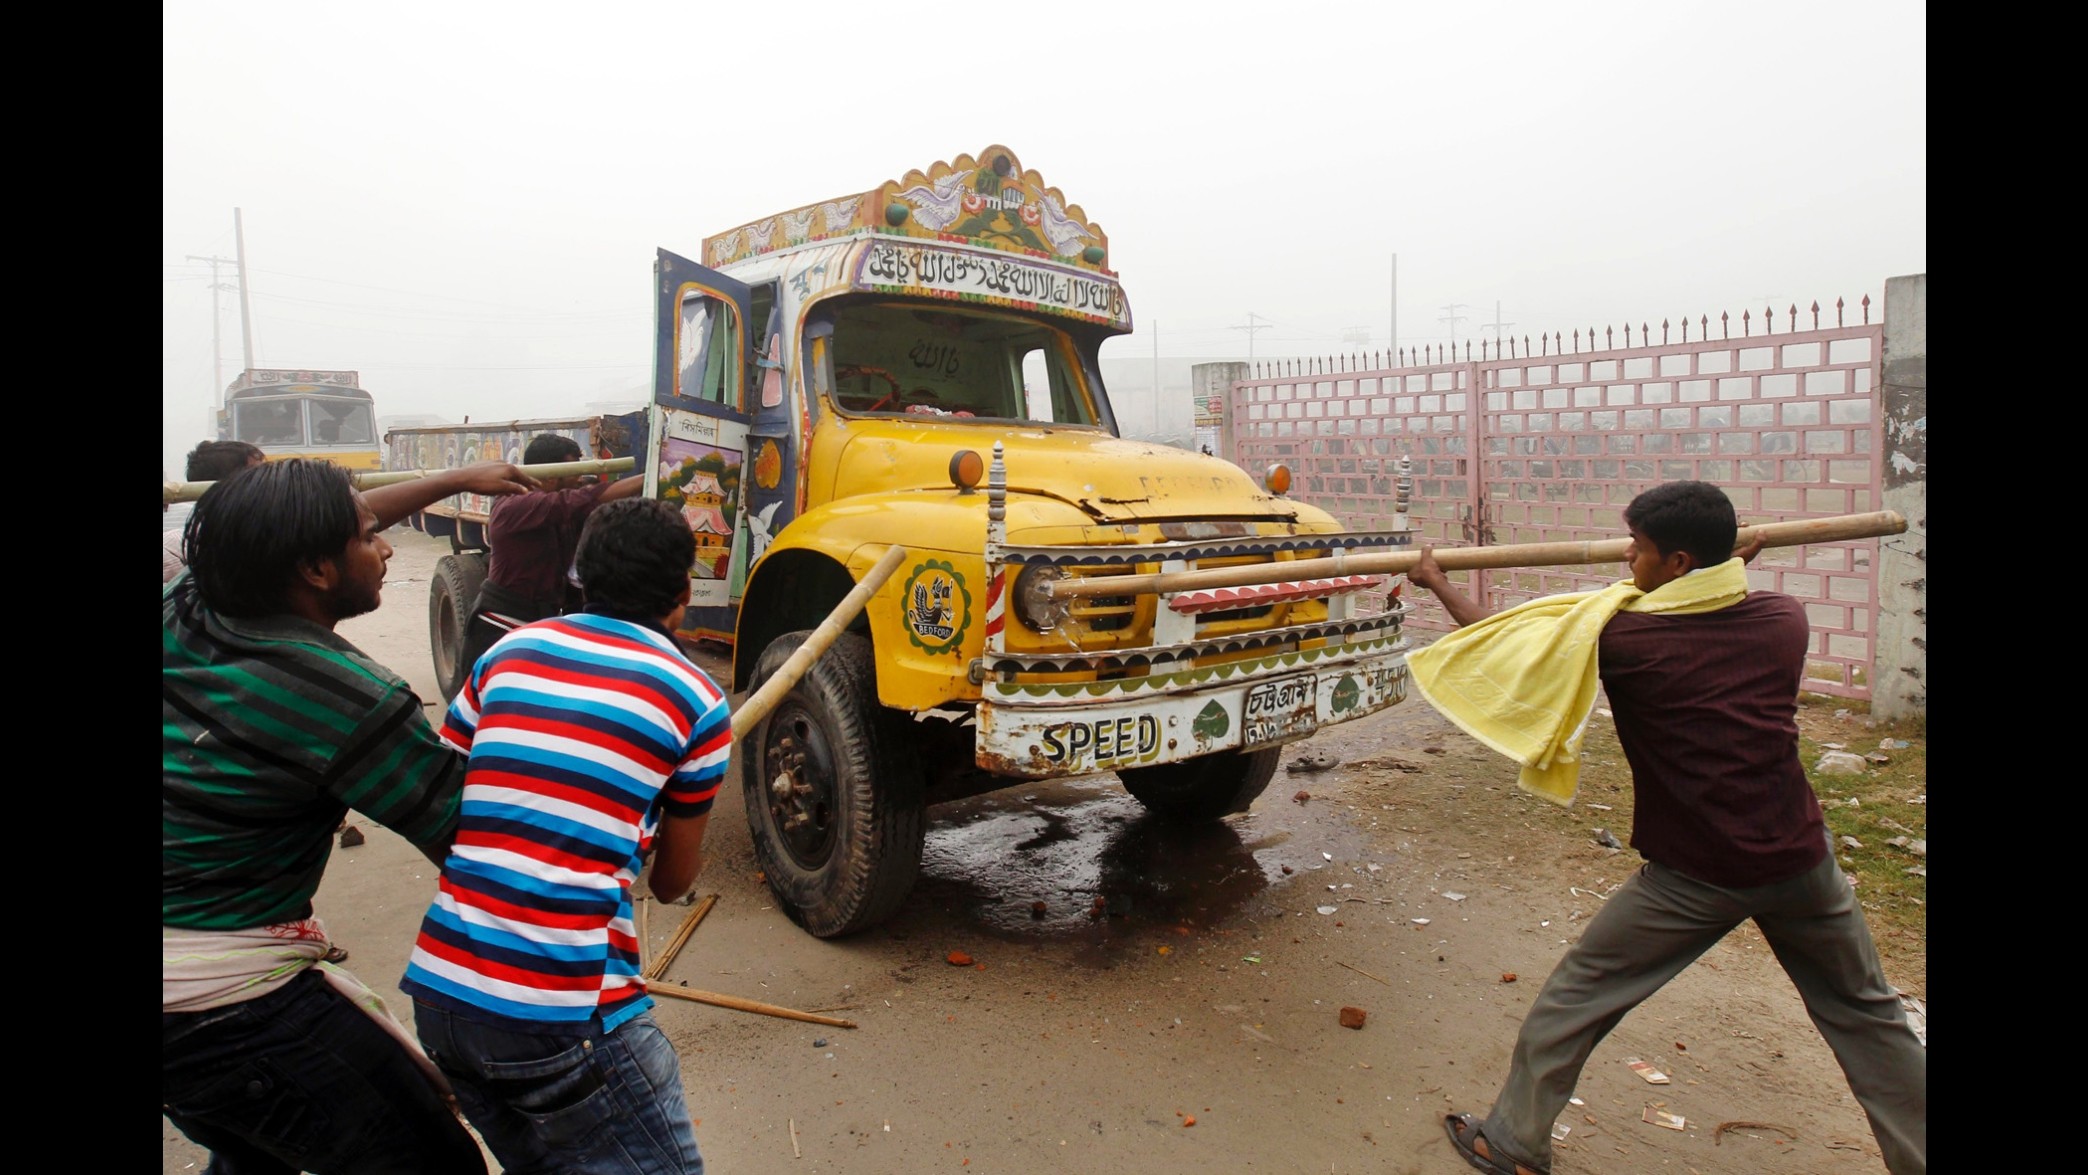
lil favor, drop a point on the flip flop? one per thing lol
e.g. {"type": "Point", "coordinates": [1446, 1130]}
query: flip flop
{"type": "Point", "coordinates": [1464, 1134]}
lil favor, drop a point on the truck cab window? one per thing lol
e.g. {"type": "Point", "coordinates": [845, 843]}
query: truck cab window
{"type": "Point", "coordinates": [705, 350]}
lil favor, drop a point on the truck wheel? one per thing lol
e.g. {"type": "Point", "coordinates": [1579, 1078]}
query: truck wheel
{"type": "Point", "coordinates": [451, 596]}
{"type": "Point", "coordinates": [1203, 788]}
{"type": "Point", "coordinates": [834, 801]}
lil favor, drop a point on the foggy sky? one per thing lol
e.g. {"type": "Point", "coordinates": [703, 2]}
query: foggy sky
{"type": "Point", "coordinates": [461, 201]}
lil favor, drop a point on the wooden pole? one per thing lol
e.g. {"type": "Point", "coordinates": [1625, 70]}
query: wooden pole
{"type": "Point", "coordinates": [754, 709]}
{"type": "Point", "coordinates": [688, 927]}
{"type": "Point", "coordinates": [1797, 533]}
{"type": "Point", "coordinates": [189, 491]}
{"type": "Point", "coordinates": [739, 1005]}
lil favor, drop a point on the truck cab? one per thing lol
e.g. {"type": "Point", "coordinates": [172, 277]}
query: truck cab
{"type": "Point", "coordinates": [917, 365]}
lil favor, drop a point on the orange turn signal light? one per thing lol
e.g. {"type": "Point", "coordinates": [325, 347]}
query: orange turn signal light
{"type": "Point", "coordinates": [966, 468]}
{"type": "Point", "coordinates": [1278, 479]}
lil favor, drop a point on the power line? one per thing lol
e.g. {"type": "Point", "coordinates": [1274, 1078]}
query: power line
{"type": "Point", "coordinates": [1251, 327]}
{"type": "Point", "coordinates": [1451, 316]}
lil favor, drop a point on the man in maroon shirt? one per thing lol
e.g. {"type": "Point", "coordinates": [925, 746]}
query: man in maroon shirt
{"type": "Point", "coordinates": [533, 537]}
{"type": "Point", "coordinates": [1705, 705]}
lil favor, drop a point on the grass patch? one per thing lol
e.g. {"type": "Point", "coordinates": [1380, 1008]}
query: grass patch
{"type": "Point", "coordinates": [1889, 802]}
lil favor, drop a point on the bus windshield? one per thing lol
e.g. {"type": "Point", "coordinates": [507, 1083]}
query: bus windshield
{"type": "Point", "coordinates": [283, 420]}
{"type": "Point", "coordinates": [921, 361]}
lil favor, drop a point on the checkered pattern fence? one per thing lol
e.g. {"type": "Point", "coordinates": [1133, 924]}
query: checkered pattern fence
{"type": "Point", "coordinates": [1522, 448]}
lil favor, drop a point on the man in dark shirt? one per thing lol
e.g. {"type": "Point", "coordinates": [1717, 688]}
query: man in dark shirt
{"type": "Point", "coordinates": [275, 726]}
{"type": "Point", "coordinates": [533, 537]}
{"type": "Point", "coordinates": [1705, 705]}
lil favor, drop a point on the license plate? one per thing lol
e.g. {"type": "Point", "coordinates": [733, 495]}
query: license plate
{"type": "Point", "coordinates": [1279, 710]}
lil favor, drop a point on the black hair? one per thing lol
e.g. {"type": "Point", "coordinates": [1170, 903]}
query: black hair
{"type": "Point", "coordinates": [218, 460]}
{"type": "Point", "coordinates": [251, 532]}
{"type": "Point", "coordinates": [1691, 516]}
{"type": "Point", "coordinates": [635, 557]}
{"type": "Point", "coordinates": [549, 448]}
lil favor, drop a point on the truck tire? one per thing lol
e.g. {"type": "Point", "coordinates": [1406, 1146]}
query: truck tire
{"type": "Point", "coordinates": [1203, 788]}
{"type": "Point", "coordinates": [834, 801]}
{"type": "Point", "coordinates": [451, 595]}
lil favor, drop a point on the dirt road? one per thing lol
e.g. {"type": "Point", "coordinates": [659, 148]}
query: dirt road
{"type": "Point", "coordinates": [1209, 990]}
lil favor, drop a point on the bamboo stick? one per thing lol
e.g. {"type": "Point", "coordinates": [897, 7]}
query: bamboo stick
{"type": "Point", "coordinates": [754, 709]}
{"type": "Point", "coordinates": [189, 491]}
{"type": "Point", "coordinates": [642, 905]}
{"type": "Point", "coordinates": [688, 927]}
{"type": "Point", "coordinates": [1773, 534]}
{"type": "Point", "coordinates": [739, 1005]}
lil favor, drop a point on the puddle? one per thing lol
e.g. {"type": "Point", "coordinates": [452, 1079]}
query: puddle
{"type": "Point", "coordinates": [990, 858]}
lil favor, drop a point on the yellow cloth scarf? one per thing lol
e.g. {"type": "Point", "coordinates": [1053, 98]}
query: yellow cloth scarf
{"type": "Point", "coordinates": [1524, 681]}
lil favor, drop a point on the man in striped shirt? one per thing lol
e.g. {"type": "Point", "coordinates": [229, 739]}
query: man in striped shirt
{"type": "Point", "coordinates": [274, 727]}
{"type": "Point", "coordinates": [594, 742]}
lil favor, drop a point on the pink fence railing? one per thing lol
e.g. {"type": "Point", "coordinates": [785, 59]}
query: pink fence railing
{"type": "Point", "coordinates": [1547, 440]}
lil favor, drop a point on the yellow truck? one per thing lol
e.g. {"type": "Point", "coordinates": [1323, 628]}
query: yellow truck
{"type": "Point", "coordinates": [917, 365]}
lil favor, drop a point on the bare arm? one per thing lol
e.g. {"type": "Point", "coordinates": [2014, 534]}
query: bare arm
{"type": "Point", "coordinates": [677, 855]}
{"type": "Point", "coordinates": [1429, 574]}
{"type": "Point", "coordinates": [394, 502]}
{"type": "Point", "coordinates": [628, 487]}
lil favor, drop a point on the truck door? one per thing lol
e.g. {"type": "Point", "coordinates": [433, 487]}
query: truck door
{"type": "Point", "coordinates": [697, 453]}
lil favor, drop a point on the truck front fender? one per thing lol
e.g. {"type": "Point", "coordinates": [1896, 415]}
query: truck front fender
{"type": "Point", "coordinates": [923, 653]}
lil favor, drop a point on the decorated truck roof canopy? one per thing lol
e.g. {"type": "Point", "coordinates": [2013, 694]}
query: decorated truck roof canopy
{"type": "Point", "coordinates": [988, 202]}
{"type": "Point", "coordinates": [264, 380]}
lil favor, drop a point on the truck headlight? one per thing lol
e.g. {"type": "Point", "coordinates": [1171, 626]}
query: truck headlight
{"type": "Point", "coordinates": [1032, 598]}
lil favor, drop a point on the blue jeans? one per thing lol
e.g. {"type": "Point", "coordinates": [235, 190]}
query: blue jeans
{"type": "Point", "coordinates": [604, 1103]}
{"type": "Point", "coordinates": [302, 1080]}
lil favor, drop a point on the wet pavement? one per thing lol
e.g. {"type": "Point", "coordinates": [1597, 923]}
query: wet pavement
{"type": "Point", "coordinates": [1081, 863]}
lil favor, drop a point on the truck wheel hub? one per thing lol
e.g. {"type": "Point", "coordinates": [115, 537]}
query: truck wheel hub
{"type": "Point", "coordinates": [801, 787]}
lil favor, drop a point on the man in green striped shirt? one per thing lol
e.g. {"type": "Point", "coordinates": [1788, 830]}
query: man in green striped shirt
{"type": "Point", "coordinates": [274, 727]}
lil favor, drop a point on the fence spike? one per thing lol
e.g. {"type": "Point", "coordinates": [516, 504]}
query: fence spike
{"type": "Point", "coordinates": [1526, 345]}
{"type": "Point", "coordinates": [1768, 320]}
{"type": "Point", "coordinates": [1609, 338]}
{"type": "Point", "coordinates": [1746, 323]}
{"type": "Point", "coordinates": [1468, 350]}
{"type": "Point", "coordinates": [1645, 335]}
{"type": "Point", "coordinates": [1591, 338]}
{"type": "Point", "coordinates": [1558, 342]}
{"type": "Point", "coordinates": [1576, 340]}
{"type": "Point", "coordinates": [1866, 310]}
{"type": "Point", "coordinates": [1685, 330]}
{"type": "Point", "coordinates": [1837, 312]}
{"type": "Point", "coordinates": [1794, 317]}
{"type": "Point", "coordinates": [1816, 313]}
{"type": "Point", "coordinates": [1725, 325]}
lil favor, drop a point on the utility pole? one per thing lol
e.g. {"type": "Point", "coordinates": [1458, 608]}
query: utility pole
{"type": "Point", "coordinates": [246, 309]}
{"type": "Point", "coordinates": [1251, 327]}
{"type": "Point", "coordinates": [1392, 323]}
{"type": "Point", "coordinates": [217, 360]}
{"type": "Point", "coordinates": [1452, 317]}
{"type": "Point", "coordinates": [1497, 325]}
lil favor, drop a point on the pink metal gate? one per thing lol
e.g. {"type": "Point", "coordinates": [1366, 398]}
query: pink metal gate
{"type": "Point", "coordinates": [1547, 441]}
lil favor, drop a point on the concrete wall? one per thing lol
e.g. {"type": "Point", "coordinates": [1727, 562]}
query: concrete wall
{"type": "Point", "coordinates": [1900, 689]}
{"type": "Point", "coordinates": [1217, 379]}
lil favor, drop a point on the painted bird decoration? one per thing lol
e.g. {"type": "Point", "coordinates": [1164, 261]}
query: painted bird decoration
{"type": "Point", "coordinates": [1063, 231]}
{"type": "Point", "coordinates": [938, 205]}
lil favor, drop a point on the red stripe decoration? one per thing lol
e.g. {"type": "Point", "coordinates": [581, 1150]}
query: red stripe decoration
{"type": "Point", "coordinates": [1260, 594]}
{"type": "Point", "coordinates": [996, 604]}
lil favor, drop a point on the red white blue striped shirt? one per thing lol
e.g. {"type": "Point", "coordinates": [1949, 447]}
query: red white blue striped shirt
{"type": "Point", "coordinates": [582, 731]}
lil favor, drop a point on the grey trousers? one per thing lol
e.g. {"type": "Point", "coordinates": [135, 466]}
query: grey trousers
{"type": "Point", "coordinates": [1657, 923]}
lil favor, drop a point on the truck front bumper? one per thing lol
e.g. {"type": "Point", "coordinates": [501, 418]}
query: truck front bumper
{"type": "Point", "coordinates": [1042, 731]}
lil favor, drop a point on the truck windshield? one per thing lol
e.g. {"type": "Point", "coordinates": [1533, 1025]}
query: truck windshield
{"type": "Point", "coordinates": [918, 361]}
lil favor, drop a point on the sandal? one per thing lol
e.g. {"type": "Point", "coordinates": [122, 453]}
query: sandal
{"type": "Point", "coordinates": [1464, 1135]}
